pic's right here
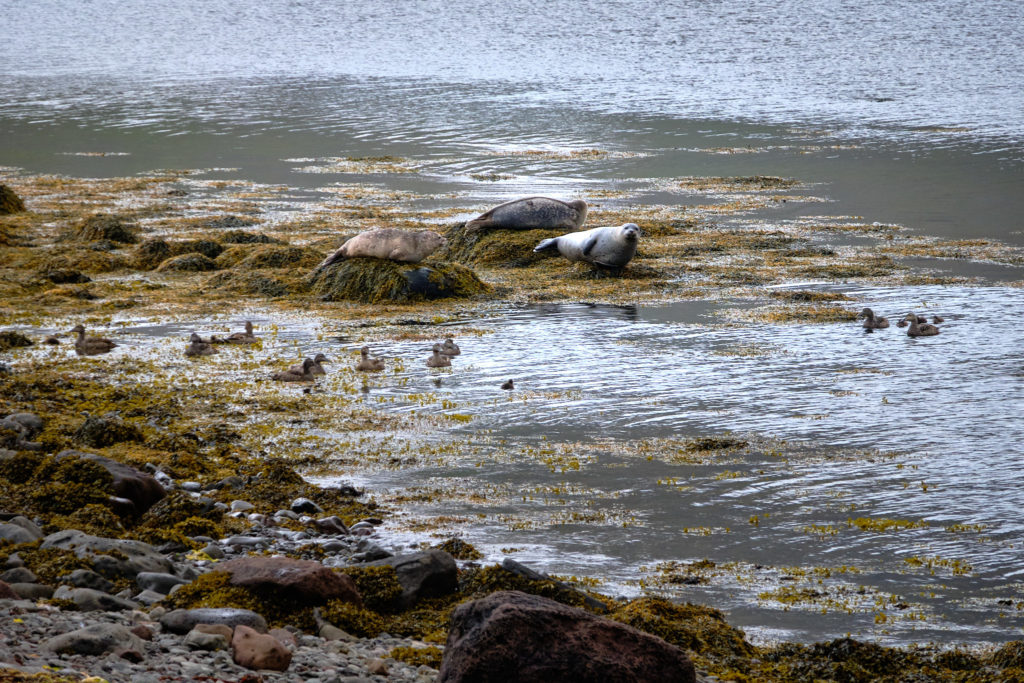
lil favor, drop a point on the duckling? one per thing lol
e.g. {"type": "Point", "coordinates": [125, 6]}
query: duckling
{"type": "Point", "coordinates": [508, 386]}
{"type": "Point", "coordinates": [871, 322]}
{"type": "Point", "coordinates": [450, 348]}
{"type": "Point", "coordinates": [938, 319]}
{"type": "Point", "coordinates": [90, 346]}
{"type": "Point", "coordinates": [198, 347]}
{"type": "Point", "coordinates": [437, 360]}
{"type": "Point", "coordinates": [317, 369]}
{"type": "Point", "coordinates": [368, 363]}
{"type": "Point", "coordinates": [246, 337]}
{"type": "Point", "coordinates": [52, 340]}
{"type": "Point", "coordinates": [918, 328]}
{"type": "Point", "coordinates": [289, 375]}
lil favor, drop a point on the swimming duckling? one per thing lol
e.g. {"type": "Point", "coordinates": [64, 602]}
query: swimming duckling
{"type": "Point", "coordinates": [198, 347]}
{"type": "Point", "coordinates": [90, 346]}
{"type": "Point", "coordinates": [317, 369]}
{"type": "Point", "coordinates": [368, 363]}
{"type": "Point", "coordinates": [871, 322]}
{"type": "Point", "coordinates": [938, 319]}
{"type": "Point", "coordinates": [437, 360]}
{"type": "Point", "coordinates": [450, 348]}
{"type": "Point", "coordinates": [52, 340]}
{"type": "Point", "coordinates": [304, 375]}
{"type": "Point", "coordinates": [246, 337]}
{"type": "Point", "coordinates": [508, 386]}
{"type": "Point", "coordinates": [918, 328]}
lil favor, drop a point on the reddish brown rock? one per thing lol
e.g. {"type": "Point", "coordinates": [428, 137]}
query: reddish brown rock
{"type": "Point", "coordinates": [285, 637]}
{"type": "Point", "coordinates": [255, 650]}
{"type": "Point", "coordinates": [142, 631]}
{"type": "Point", "coordinates": [216, 629]}
{"type": "Point", "coordinates": [304, 580]}
{"type": "Point", "coordinates": [514, 637]}
{"type": "Point", "coordinates": [140, 488]}
{"type": "Point", "coordinates": [7, 593]}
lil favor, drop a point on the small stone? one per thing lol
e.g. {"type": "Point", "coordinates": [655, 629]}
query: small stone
{"type": "Point", "coordinates": [213, 550]}
{"type": "Point", "coordinates": [254, 650]}
{"type": "Point", "coordinates": [96, 639]}
{"type": "Point", "coordinates": [85, 578]}
{"type": "Point", "coordinates": [198, 640]}
{"type": "Point", "coordinates": [377, 667]}
{"type": "Point", "coordinates": [19, 575]}
{"type": "Point", "coordinates": [16, 534]}
{"type": "Point", "coordinates": [149, 597]}
{"type": "Point", "coordinates": [192, 486]}
{"type": "Point", "coordinates": [331, 525]}
{"type": "Point", "coordinates": [7, 593]}
{"type": "Point", "coordinates": [32, 591]}
{"type": "Point", "coordinates": [305, 505]}
{"type": "Point", "coordinates": [158, 581]}
{"type": "Point", "coordinates": [241, 506]}
{"type": "Point", "coordinates": [142, 631]}
{"type": "Point", "coordinates": [287, 514]}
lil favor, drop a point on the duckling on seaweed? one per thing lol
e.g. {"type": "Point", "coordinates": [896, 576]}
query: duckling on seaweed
{"type": "Point", "coordinates": [90, 346]}
{"type": "Point", "coordinates": [437, 360]}
{"type": "Point", "coordinates": [450, 348]}
{"type": "Point", "coordinates": [317, 369]}
{"type": "Point", "coordinates": [368, 363]}
{"type": "Point", "coordinates": [918, 328]}
{"type": "Point", "coordinates": [872, 322]}
{"type": "Point", "coordinates": [246, 337]}
{"type": "Point", "coordinates": [198, 347]}
{"type": "Point", "coordinates": [304, 375]}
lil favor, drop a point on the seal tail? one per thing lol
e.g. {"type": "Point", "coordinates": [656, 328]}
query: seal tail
{"type": "Point", "coordinates": [549, 244]}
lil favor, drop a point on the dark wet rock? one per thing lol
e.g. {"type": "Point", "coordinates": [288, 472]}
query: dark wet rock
{"type": "Point", "coordinates": [33, 591]}
{"type": "Point", "coordinates": [105, 227]}
{"type": "Point", "coordinates": [429, 574]}
{"type": "Point", "coordinates": [140, 488]}
{"type": "Point", "coordinates": [7, 593]}
{"type": "Point", "coordinates": [510, 565]}
{"type": "Point", "coordinates": [131, 558]}
{"type": "Point", "coordinates": [65, 276]}
{"type": "Point", "coordinates": [373, 280]}
{"type": "Point", "coordinates": [184, 620]}
{"type": "Point", "coordinates": [89, 600]}
{"type": "Point", "coordinates": [305, 506]}
{"type": "Point", "coordinates": [86, 578]}
{"type": "Point", "coordinates": [10, 339]}
{"type": "Point", "coordinates": [10, 202]}
{"type": "Point", "coordinates": [512, 636]}
{"type": "Point", "coordinates": [96, 639]}
{"type": "Point", "coordinates": [210, 642]}
{"type": "Point", "coordinates": [151, 254]}
{"type": "Point", "coordinates": [242, 237]}
{"type": "Point", "coordinates": [19, 575]}
{"type": "Point", "coordinates": [158, 582]}
{"type": "Point", "coordinates": [106, 430]}
{"type": "Point", "coordinates": [255, 650]}
{"type": "Point", "coordinates": [187, 263]}
{"type": "Point", "coordinates": [331, 525]}
{"type": "Point", "coordinates": [305, 580]}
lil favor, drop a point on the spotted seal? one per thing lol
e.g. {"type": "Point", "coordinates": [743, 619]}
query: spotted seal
{"type": "Point", "coordinates": [389, 243]}
{"type": "Point", "coordinates": [611, 246]}
{"type": "Point", "coordinates": [531, 213]}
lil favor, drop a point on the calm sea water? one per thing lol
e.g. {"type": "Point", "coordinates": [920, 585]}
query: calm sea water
{"type": "Point", "coordinates": [897, 112]}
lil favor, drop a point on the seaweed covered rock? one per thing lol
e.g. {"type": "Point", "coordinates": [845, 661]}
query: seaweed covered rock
{"type": "Point", "coordinates": [151, 254]}
{"type": "Point", "coordinates": [111, 557]}
{"type": "Point", "coordinates": [64, 276]}
{"type": "Point", "coordinates": [10, 339]}
{"type": "Point", "coordinates": [207, 248]}
{"type": "Point", "coordinates": [529, 638]}
{"type": "Point", "coordinates": [226, 222]}
{"type": "Point", "coordinates": [423, 575]}
{"type": "Point", "coordinates": [127, 482]}
{"type": "Point", "coordinates": [106, 430]}
{"type": "Point", "coordinates": [507, 248]}
{"type": "Point", "coordinates": [252, 283]}
{"type": "Point", "coordinates": [372, 280]}
{"type": "Point", "coordinates": [275, 256]}
{"type": "Point", "coordinates": [101, 226]}
{"type": "Point", "coordinates": [10, 202]}
{"type": "Point", "coordinates": [187, 263]}
{"type": "Point", "coordinates": [302, 580]}
{"type": "Point", "coordinates": [242, 237]}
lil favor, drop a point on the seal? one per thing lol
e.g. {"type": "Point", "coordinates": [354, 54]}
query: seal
{"type": "Point", "coordinates": [389, 243]}
{"type": "Point", "coordinates": [611, 246]}
{"type": "Point", "coordinates": [532, 213]}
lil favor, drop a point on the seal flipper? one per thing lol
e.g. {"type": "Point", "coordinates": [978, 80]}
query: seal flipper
{"type": "Point", "coordinates": [591, 243]}
{"type": "Point", "coordinates": [550, 243]}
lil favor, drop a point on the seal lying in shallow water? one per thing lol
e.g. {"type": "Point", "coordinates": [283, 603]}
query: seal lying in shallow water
{"type": "Point", "coordinates": [531, 213]}
{"type": "Point", "coordinates": [611, 246]}
{"type": "Point", "coordinates": [389, 243]}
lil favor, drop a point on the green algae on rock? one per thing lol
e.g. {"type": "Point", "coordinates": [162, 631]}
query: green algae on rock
{"type": "Point", "coordinates": [497, 247]}
{"type": "Point", "coordinates": [371, 280]}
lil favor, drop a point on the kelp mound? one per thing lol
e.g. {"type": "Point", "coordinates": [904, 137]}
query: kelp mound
{"type": "Point", "coordinates": [187, 263]}
{"type": "Point", "coordinates": [250, 283]}
{"type": "Point", "coordinates": [371, 280]}
{"type": "Point", "coordinates": [242, 237]}
{"type": "Point", "coordinates": [154, 253]}
{"type": "Point", "coordinates": [104, 227]}
{"type": "Point", "coordinates": [273, 256]}
{"type": "Point", "coordinates": [507, 248]}
{"type": "Point", "coordinates": [10, 202]}
{"type": "Point", "coordinates": [9, 339]}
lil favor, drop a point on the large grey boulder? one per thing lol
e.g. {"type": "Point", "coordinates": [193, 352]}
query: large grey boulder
{"type": "Point", "coordinates": [184, 620]}
{"type": "Point", "coordinates": [429, 574]}
{"type": "Point", "coordinates": [96, 639]}
{"type": "Point", "coordinates": [113, 557]}
{"type": "Point", "coordinates": [89, 600]}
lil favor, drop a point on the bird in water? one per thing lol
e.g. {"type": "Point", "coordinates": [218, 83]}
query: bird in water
{"type": "Point", "coordinates": [920, 329]}
{"type": "Point", "coordinates": [450, 348]}
{"type": "Point", "coordinates": [508, 386]}
{"type": "Point", "coordinates": [871, 322]}
{"type": "Point", "coordinates": [438, 360]}
{"type": "Point", "coordinates": [198, 347]}
{"type": "Point", "coordinates": [921, 320]}
{"type": "Point", "coordinates": [938, 319]}
{"type": "Point", "coordinates": [304, 375]}
{"type": "Point", "coordinates": [368, 363]}
{"type": "Point", "coordinates": [317, 369]}
{"type": "Point", "coordinates": [90, 346]}
{"type": "Point", "coordinates": [246, 337]}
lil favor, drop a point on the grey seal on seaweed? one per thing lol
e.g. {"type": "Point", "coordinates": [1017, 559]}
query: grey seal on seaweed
{"type": "Point", "coordinates": [531, 213]}
{"type": "Point", "coordinates": [920, 329]}
{"type": "Point", "coordinates": [871, 321]}
{"type": "Point", "coordinates": [611, 246]}
{"type": "Point", "coordinates": [389, 243]}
